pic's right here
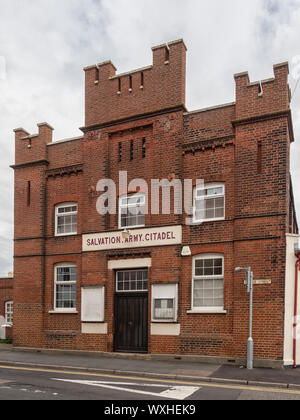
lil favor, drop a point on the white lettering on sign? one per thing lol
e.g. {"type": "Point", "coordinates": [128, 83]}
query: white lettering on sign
{"type": "Point", "coordinates": [170, 235]}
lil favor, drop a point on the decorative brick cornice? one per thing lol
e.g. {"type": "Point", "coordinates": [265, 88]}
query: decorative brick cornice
{"type": "Point", "coordinates": [124, 254]}
{"type": "Point", "coordinates": [265, 117]}
{"type": "Point", "coordinates": [179, 108]}
{"type": "Point", "coordinates": [131, 129]}
{"type": "Point", "coordinates": [66, 170]}
{"type": "Point", "coordinates": [210, 144]}
{"type": "Point", "coordinates": [33, 163]}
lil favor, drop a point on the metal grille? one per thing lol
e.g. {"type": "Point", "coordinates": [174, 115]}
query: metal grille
{"type": "Point", "coordinates": [164, 309]}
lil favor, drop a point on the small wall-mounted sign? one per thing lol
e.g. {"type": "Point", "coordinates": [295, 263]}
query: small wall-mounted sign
{"type": "Point", "coordinates": [261, 281]}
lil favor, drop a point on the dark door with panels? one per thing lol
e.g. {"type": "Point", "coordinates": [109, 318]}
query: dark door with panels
{"type": "Point", "coordinates": [131, 311]}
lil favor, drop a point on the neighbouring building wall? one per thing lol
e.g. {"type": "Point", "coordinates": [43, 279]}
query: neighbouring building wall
{"type": "Point", "coordinates": [291, 259]}
{"type": "Point", "coordinates": [6, 295]}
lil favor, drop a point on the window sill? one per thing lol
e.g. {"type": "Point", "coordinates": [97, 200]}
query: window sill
{"type": "Point", "coordinates": [207, 311]}
{"type": "Point", "coordinates": [129, 228]}
{"type": "Point", "coordinates": [63, 312]}
{"type": "Point", "coordinates": [93, 322]}
{"type": "Point", "coordinates": [63, 235]}
{"type": "Point", "coordinates": [200, 222]}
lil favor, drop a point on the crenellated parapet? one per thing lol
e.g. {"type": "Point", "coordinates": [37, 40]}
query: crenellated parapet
{"type": "Point", "coordinates": [32, 147]}
{"type": "Point", "coordinates": [111, 97]}
{"type": "Point", "coordinates": [262, 97]}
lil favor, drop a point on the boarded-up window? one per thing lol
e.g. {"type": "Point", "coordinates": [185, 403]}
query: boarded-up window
{"type": "Point", "coordinates": [92, 304]}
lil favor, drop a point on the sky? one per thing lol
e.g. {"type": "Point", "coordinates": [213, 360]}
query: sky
{"type": "Point", "coordinates": [45, 44]}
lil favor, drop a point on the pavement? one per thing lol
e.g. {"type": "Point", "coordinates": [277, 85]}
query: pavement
{"type": "Point", "coordinates": [175, 369]}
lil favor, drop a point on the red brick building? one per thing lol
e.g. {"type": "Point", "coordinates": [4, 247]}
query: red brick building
{"type": "Point", "coordinates": [82, 281]}
{"type": "Point", "coordinates": [6, 306]}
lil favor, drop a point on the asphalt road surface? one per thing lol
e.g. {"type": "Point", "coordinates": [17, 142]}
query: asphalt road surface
{"type": "Point", "coordinates": [21, 383]}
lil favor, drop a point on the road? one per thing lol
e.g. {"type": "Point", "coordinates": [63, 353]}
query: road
{"type": "Point", "coordinates": [21, 383]}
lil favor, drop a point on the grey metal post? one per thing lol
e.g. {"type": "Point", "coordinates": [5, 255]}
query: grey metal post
{"type": "Point", "coordinates": [250, 343]}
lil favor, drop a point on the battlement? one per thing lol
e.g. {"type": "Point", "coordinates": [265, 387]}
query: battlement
{"type": "Point", "coordinates": [262, 97]}
{"type": "Point", "coordinates": [32, 147]}
{"type": "Point", "coordinates": [110, 97]}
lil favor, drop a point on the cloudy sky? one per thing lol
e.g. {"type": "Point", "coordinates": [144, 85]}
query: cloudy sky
{"type": "Point", "coordinates": [44, 44]}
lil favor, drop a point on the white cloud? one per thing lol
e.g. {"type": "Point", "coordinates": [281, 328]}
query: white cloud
{"type": "Point", "coordinates": [46, 43]}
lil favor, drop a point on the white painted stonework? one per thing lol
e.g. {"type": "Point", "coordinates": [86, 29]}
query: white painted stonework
{"type": "Point", "coordinates": [162, 236]}
{"type": "Point", "coordinates": [129, 263]}
{"type": "Point", "coordinates": [289, 302]}
{"type": "Point", "coordinates": [93, 328]}
{"type": "Point", "coordinates": [165, 329]}
{"type": "Point", "coordinates": [2, 328]}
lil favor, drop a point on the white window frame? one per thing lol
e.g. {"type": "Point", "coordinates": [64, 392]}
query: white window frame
{"type": "Point", "coordinates": [71, 213]}
{"type": "Point", "coordinates": [136, 271]}
{"type": "Point", "coordinates": [206, 187]}
{"type": "Point", "coordinates": [121, 206]}
{"type": "Point", "coordinates": [213, 309]}
{"type": "Point", "coordinates": [97, 293]}
{"type": "Point", "coordinates": [69, 283]}
{"type": "Point", "coordinates": [9, 312]}
{"type": "Point", "coordinates": [165, 294]}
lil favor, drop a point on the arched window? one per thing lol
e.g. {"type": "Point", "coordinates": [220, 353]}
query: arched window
{"type": "Point", "coordinates": [65, 277]}
{"type": "Point", "coordinates": [208, 282]}
{"type": "Point", "coordinates": [66, 219]}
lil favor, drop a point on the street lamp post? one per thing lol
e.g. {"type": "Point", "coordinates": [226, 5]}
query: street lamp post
{"type": "Point", "coordinates": [250, 343]}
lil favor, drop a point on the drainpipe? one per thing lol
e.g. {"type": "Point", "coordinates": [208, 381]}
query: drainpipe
{"type": "Point", "coordinates": [296, 308]}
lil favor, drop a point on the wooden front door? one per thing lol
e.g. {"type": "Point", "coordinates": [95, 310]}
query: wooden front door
{"type": "Point", "coordinates": [131, 312]}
